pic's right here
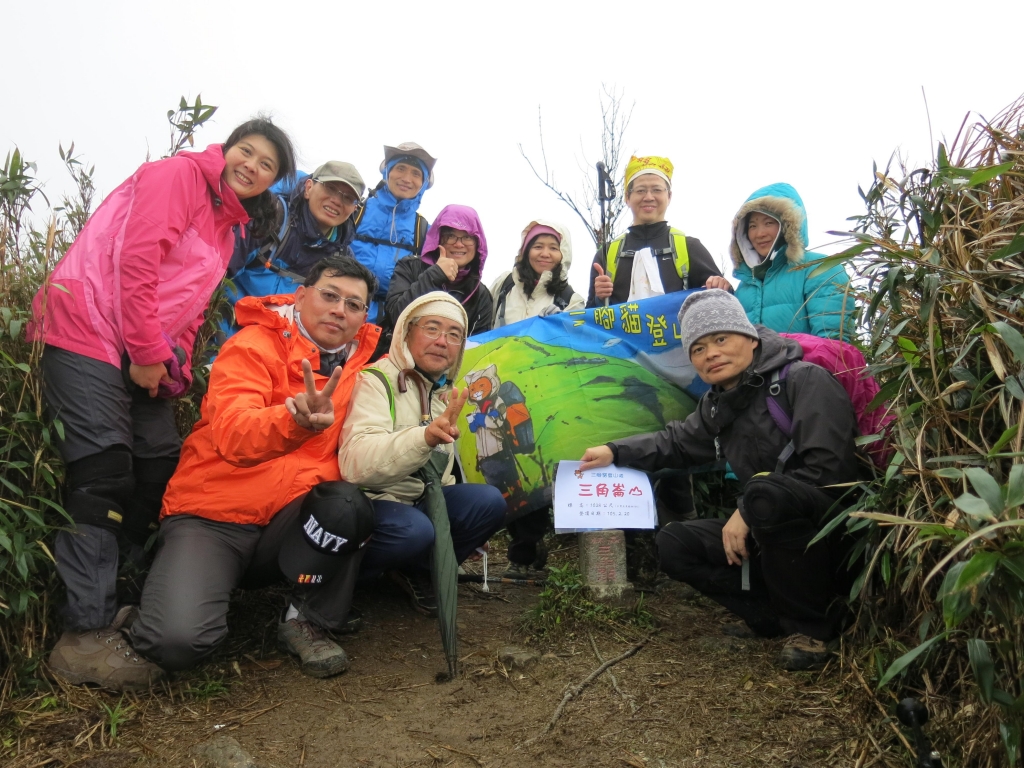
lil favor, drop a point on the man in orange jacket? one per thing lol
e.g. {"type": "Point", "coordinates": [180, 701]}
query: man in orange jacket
{"type": "Point", "coordinates": [258, 491]}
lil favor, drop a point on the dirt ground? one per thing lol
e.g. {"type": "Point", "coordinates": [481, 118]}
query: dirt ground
{"type": "Point", "coordinates": [690, 697]}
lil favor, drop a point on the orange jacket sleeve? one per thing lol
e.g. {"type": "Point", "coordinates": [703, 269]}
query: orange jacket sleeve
{"type": "Point", "coordinates": [249, 427]}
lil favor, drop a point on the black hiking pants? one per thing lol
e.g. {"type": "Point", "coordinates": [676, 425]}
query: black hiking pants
{"type": "Point", "coordinates": [790, 588]}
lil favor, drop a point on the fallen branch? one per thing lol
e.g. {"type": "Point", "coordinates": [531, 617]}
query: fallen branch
{"type": "Point", "coordinates": [573, 693]}
{"type": "Point", "coordinates": [615, 683]}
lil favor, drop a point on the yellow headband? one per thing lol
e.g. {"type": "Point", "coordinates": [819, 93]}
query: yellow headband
{"type": "Point", "coordinates": [659, 166]}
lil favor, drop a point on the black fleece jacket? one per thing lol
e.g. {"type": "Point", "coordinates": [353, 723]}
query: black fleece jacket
{"type": "Point", "coordinates": [413, 277]}
{"type": "Point", "coordinates": [824, 425]}
{"type": "Point", "coordinates": [656, 237]}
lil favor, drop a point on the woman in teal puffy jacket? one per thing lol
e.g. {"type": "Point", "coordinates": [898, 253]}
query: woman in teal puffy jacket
{"type": "Point", "coordinates": [768, 249]}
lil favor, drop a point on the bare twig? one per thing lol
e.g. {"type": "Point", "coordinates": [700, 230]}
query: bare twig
{"type": "Point", "coordinates": [615, 683]}
{"type": "Point", "coordinates": [615, 120]}
{"type": "Point", "coordinates": [574, 692]}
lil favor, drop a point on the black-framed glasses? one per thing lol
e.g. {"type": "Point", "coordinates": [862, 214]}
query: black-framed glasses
{"type": "Point", "coordinates": [340, 191]}
{"type": "Point", "coordinates": [355, 306]}
{"type": "Point", "coordinates": [451, 239]}
{"type": "Point", "coordinates": [433, 332]}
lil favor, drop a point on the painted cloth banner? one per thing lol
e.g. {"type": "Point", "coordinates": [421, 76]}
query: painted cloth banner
{"type": "Point", "coordinates": [548, 388]}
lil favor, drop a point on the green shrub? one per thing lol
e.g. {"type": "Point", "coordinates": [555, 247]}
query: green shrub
{"type": "Point", "coordinates": [939, 255]}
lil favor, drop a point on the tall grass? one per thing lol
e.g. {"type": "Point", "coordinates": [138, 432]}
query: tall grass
{"type": "Point", "coordinates": [940, 251]}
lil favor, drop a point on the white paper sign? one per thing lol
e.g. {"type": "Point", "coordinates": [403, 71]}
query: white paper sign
{"type": "Point", "coordinates": [601, 499]}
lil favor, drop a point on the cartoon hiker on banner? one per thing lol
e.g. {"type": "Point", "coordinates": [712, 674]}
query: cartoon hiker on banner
{"type": "Point", "coordinates": [503, 428]}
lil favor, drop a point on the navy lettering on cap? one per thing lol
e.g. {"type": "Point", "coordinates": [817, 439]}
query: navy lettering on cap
{"type": "Point", "coordinates": [322, 539]}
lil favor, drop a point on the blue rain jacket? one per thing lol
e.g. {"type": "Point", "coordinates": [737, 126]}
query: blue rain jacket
{"type": "Point", "coordinates": [386, 233]}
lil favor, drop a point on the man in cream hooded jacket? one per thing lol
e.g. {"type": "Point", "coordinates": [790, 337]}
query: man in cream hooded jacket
{"type": "Point", "coordinates": [397, 417]}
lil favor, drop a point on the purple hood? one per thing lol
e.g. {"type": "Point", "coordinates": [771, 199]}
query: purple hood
{"type": "Point", "coordinates": [456, 217]}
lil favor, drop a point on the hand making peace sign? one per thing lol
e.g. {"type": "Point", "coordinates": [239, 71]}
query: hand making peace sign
{"type": "Point", "coordinates": [443, 429]}
{"type": "Point", "coordinates": [311, 409]}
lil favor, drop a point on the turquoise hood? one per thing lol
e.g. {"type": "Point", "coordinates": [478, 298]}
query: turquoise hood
{"type": "Point", "coordinates": [783, 296]}
{"type": "Point", "coordinates": [782, 202]}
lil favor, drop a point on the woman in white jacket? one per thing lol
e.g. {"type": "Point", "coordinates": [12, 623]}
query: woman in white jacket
{"type": "Point", "coordinates": [538, 283]}
{"type": "Point", "coordinates": [536, 286]}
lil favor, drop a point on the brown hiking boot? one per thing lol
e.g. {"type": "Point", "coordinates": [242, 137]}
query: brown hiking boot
{"type": "Point", "coordinates": [803, 652]}
{"type": "Point", "coordinates": [103, 657]}
{"type": "Point", "coordinates": [320, 656]}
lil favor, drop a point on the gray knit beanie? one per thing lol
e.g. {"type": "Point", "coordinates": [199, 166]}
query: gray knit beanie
{"type": "Point", "coordinates": [712, 311]}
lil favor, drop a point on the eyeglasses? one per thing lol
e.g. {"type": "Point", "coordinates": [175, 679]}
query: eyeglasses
{"type": "Point", "coordinates": [340, 191]}
{"type": "Point", "coordinates": [452, 239]}
{"type": "Point", "coordinates": [644, 191]}
{"type": "Point", "coordinates": [433, 332]}
{"type": "Point", "coordinates": [355, 306]}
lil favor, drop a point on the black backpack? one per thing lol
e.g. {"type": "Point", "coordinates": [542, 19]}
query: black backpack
{"type": "Point", "coordinates": [562, 300]}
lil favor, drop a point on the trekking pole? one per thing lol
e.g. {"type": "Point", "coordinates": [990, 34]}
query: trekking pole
{"type": "Point", "coordinates": [478, 578]}
{"type": "Point", "coordinates": [913, 714]}
{"type": "Point", "coordinates": [605, 195]}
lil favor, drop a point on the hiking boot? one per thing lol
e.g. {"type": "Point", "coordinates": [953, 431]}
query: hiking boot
{"type": "Point", "coordinates": [420, 589]}
{"type": "Point", "coordinates": [803, 652]}
{"type": "Point", "coordinates": [320, 656]}
{"type": "Point", "coordinates": [103, 657]}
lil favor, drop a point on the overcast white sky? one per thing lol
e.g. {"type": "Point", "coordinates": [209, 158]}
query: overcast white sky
{"type": "Point", "coordinates": [737, 94]}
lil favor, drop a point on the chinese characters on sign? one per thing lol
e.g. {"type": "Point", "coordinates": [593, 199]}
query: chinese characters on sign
{"type": "Point", "coordinates": [630, 322]}
{"type": "Point", "coordinates": [611, 497]}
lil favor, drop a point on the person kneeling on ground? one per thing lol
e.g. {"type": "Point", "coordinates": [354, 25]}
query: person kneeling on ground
{"type": "Point", "coordinates": [258, 492]}
{"type": "Point", "coordinates": [758, 563]}
{"type": "Point", "coordinates": [398, 422]}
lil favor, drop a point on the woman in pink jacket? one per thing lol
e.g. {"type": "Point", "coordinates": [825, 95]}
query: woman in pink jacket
{"type": "Point", "coordinates": [119, 316]}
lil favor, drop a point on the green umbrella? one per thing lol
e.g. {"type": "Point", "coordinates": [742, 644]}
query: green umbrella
{"type": "Point", "coordinates": [444, 569]}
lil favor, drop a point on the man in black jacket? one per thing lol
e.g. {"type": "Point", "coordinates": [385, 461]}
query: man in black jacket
{"type": "Point", "coordinates": [680, 262]}
{"type": "Point", "coordinates": [758, 563]}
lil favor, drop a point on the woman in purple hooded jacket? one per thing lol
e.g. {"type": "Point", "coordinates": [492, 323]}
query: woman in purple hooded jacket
{"type": "Point", "coordinates": [453, 259]}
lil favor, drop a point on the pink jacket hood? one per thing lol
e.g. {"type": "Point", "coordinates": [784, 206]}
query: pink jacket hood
{"type": "Point", "coordinates": [456, 217]}
{"type": "Point", "coordinates": [145, 264]}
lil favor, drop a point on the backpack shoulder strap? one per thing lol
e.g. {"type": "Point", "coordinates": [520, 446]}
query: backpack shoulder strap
{"type": "Point", "coordinates": [360, 213]}
{"type": "Point", "coordinates": [564, 299]}
{"type": "Point", "coordinates": [680, 254]}
{"type": "Point", "coordinates": [378, 373]}
{"type": "Point", "coordinates": [781, 412]}
{"type": "Point", "coordinates": [421, 233]}
{"type": "Point", "coordinates": [613, 256]}
{"type": "Point", "coordinates": [506, 287]}
{"type": "Point", "coordinates": [265, 252]}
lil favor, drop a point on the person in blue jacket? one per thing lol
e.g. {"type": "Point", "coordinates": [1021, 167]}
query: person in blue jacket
{"type": "Point", "coordinates": [315, 220]}
{"type": "Point", "coordinates": [776, 287]}
{"type": "Point", "coordinates": [388, 227]}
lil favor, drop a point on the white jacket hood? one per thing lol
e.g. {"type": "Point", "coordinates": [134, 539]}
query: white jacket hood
{"type": "Point", "coordinates": [400, 354]}
{"type": "Point", "coordinates": [565, 246]}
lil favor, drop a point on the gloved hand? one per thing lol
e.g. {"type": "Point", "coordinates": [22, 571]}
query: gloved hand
{"type": "Point", "coordinates": [477, 421]}
{"type": "Point", "coordinates": [493, 413]}
{"type": "Point", "coordinates": [550, 309]}
{"type": "Point", "coordinates": [176, 371]}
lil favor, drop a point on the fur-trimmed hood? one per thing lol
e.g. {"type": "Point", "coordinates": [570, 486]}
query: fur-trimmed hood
{"type": "Point", "coordinates": [782, 202]}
